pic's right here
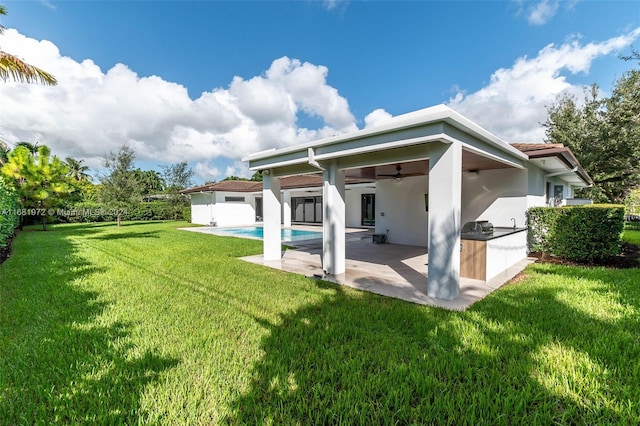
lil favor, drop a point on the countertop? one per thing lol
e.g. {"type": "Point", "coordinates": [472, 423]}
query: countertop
{"type": "Point", "coordinates": [498, 232]}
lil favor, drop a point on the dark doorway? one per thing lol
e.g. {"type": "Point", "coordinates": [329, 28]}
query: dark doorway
{"type": "Point", "coordinates": [306, 209]}
{"type": "Point", "coordinates": [258, 209]}
{"type": "Point", "coordinates": [368, 209]}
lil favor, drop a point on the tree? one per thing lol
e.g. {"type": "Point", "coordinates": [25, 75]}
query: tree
{"type": "Point", "coordinates": [232, 177]}
{"type": "Point", "coordinates": [150, 181]}
{"type": "Point", "coordinates": [77, 171]}
{"type": "Point", "coordinates": [120, 189]}
{"type": "Point", "coordinates": [32, 147]}
{"type": "Point", "coordinates": [177, 177]}
{"type": "Point", "coordinates": [604, 134]}
{"type": "Point", "coordinates": [14, 68]}
{"type": "Point", "coordinates": [4, 153]}
{"type": "Point", "coordinates": [41, 182]}
{"type": "Point", "coordinates": [257, 177]}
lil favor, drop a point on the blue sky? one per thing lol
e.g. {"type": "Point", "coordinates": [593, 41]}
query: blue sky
{"type": "Point", "coordinates": [211, 81]}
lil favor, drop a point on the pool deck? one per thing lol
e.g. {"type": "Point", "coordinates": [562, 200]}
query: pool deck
{"type": "Point", "coordinates": [391, 270]}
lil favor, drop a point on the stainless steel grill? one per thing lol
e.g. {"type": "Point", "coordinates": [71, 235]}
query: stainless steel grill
{"type": "Point", "coordinates": [479, 227]}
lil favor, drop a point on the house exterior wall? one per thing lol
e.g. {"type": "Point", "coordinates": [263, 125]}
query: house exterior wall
{"type": "Point", "coordinates": [202, 207]}
{"type": "Point", "coordinates": [354, 205]}
{"type": "Point", "coordinates": [400, 209]}
{"type": "Point", "coordinates": [495, 195]}
{"type": "Point", "coordinates": [235, 213]}
{"type": "Point", "coordinates": [208, 207]}
{"type": "Point", "coordinates": [538, 189]}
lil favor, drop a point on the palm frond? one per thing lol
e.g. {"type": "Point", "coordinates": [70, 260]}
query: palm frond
{"type": "Point", "coordinates": [14, 68]}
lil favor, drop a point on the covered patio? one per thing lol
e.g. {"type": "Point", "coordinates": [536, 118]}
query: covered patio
{"type": "Point", "coordinates": [428, 149]}
{"type": "Point", "coordinates": [392, 270]}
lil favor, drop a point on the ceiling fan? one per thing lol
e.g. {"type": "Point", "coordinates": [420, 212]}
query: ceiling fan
{"type": "Point", "coordinates": [399, 175]}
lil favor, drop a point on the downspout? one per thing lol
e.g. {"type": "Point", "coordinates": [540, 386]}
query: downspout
{"type": "Point", "coordinates": [311, 154]}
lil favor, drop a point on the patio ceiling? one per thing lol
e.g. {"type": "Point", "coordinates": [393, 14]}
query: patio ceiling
{"type": "Point", "coordinates": [470, 162]}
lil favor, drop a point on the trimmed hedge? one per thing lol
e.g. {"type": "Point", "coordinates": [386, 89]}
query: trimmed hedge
{"type": "Point", "coordinates": [9, 206]}
{"type": "Point", "coordinates": [590, 233]}
{"type": "Point", "coordinates": [94, 212]}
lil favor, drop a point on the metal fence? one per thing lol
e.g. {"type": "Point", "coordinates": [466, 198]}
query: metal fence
{"type": "Point", "coordinates": [632, 222]}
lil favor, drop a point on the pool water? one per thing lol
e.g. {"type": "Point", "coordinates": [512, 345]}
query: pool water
{"type": "Point", "coordinates": [258, 232]}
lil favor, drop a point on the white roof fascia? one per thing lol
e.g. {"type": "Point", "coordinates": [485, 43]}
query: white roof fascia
{"type": "Point", "coordinates": [416, 118]}
{"type": "Point", "coordinates": [492, 156]}
{"type": "Point", "coordinates": [384, 146]}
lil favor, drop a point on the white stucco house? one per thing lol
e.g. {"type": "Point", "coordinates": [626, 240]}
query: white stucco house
{"type": "Point", "coordinates": [417, 179]}
{"type": "Point", "coordinates": [422, 175]}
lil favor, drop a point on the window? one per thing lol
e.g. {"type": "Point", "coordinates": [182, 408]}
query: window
{"type": "Point", "coordinates": [230, 199]}
{"type": "Point", "coordinates": [558, 194]}
{"type": "Point", "coordinates": [368, 210]}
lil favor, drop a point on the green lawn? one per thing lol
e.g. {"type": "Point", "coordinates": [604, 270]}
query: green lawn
{"type": "Point", "coordinates": [148, 324]}
{"type": "Point", "coordinates": [631, 236]}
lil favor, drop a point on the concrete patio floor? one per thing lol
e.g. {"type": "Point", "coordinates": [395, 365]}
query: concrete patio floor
{"type": "Point", "coordinates": [391, 270]}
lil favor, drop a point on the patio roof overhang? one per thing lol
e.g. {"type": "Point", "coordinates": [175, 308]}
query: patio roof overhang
{"type": "Point", "coordinates": [401, 139]}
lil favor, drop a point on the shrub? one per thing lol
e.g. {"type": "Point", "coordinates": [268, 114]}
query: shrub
{"type": "Point", "coordinates": [542, 225]}
{"type": "Point", "coordinates": [95, 212]}
{"type": "Point", "coordinates": [186, 213]}
{"type": "Point", "coordinates": [589, 233]}
{"type": "Point", "coordinates": [8, 212]}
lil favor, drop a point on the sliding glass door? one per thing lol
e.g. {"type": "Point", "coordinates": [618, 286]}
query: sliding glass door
{"type": "Point", "coordinates": [368, 209]}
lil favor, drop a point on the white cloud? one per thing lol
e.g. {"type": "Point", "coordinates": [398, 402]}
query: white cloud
{"type": "Point", "coordinates": [514, 102]}
{"type": "Point", "coordinates": [239, 169]}
{"type": "Point", "coordinates": [376, 117]}
{"type": "Point", "coordinates": [206, 172]}
{"type": "Point", "coordinates": [334, 4]}
{"type": "Point", "coordinates": [541, 12]}
{"type": "Point", "coordinates": [92, 112]}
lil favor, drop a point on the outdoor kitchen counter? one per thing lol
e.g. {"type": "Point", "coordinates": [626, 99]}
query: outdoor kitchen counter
{"type": "Point", "coordinates": [482, 257]}
{"type": "Point", "coordinates": [498, 232]}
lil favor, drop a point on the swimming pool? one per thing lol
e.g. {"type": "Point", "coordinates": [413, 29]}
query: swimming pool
{"type": "Point", "coordinates": [258, 232]}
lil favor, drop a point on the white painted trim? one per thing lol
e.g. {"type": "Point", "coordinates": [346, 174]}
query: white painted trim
{"type": "Point", "coordinates": [413, 119]}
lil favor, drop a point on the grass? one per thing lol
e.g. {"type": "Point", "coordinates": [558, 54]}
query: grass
{"type": "Point", "coordinates": [149, 324]}
{"type": "Point", "coordinates": [631, 236]}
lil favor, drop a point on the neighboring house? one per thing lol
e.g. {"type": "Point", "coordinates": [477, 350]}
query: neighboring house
{"type": "Point", "coordinates": [238, 203]}
{"type": "Point", "coordinates": [434, 170]}
{"type": "Point", "coordinates": [226, 203]}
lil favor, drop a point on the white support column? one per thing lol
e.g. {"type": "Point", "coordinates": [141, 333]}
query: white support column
{"type": "Point", "coordinates": [286, 208]}
{"type": "Point", "coordinates": [445, 184]}
{"type": "Point", "coordinates": [333, 222]}
{"type": "Point", "coordinates": [271, 217]}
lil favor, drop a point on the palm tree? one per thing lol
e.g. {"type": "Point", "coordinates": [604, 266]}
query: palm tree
{"type": "Point", "coordinates": [32, 147]}
{"type": "Point", "coordinates": [14, 68]}
{"type": "Point", "coordinates": [77, 171]}
{"type": "Point", "coordinates": [4, 153]}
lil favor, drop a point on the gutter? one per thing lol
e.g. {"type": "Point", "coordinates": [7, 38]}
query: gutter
{"type": "Point", "coordinates": [564, 172]}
